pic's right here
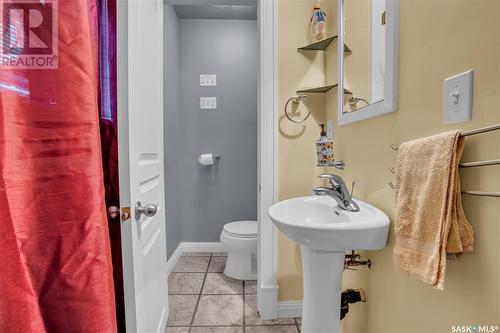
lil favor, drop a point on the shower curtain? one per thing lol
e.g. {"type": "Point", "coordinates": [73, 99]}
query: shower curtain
{"type": "Point", "coordinates": [55, 262]}
{"type": "Point", "coordinates": [108, 119]}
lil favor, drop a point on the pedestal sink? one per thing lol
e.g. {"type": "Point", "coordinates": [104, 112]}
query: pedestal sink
{"type": "Point", "coordinates": [325, 232]}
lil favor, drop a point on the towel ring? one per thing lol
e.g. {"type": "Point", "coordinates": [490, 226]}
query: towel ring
{"type": "Point", "coordinates": [296, 100]}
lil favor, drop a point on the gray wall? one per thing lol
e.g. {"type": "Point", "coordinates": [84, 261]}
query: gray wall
{"type": "Point", "coordinates": [200, 200]}
{"type": "Point", "coordinates": [171, 125]}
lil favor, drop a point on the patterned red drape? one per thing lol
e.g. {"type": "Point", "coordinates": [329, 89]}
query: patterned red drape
{"type": "Point", "coordinates": [55, 262]}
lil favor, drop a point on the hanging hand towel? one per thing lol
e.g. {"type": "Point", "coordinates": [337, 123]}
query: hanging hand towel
{"type": "Point", "coordinates": [429, 218]}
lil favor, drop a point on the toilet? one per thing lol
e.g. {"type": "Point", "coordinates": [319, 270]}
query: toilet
{"type": "Point", "coordinates": [240, 240]}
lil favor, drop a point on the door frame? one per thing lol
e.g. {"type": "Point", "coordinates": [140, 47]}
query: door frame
{"type": "Point", "coordinates": [267, 251]}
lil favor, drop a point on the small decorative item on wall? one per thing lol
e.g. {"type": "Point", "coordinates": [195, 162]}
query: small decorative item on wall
{"type": "Point", "coordinates": [318, 24]}
{"type": "Point", "coordinates": [324, 148]}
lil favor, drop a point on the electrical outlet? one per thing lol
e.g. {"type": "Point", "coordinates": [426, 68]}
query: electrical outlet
{"type": "Point", "coordinates": [458, 98]}
{"type": "Point", "coordinates": [208, 80]}
{"type": "Point", "coordinates": [208, 103]}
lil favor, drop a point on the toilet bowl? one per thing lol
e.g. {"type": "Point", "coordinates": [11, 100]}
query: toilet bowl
{"type": "Point", "coordinates": [240, 240]}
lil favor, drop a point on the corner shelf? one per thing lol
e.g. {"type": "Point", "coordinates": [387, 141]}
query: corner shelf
{"type": "Point", "coordinates": [322, 45]}
{"type": "Point", "coordinates": [321, 89]}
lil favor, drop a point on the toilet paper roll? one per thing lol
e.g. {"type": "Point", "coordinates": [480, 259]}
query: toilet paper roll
{"type": "Point", "coordinates": [206, 159]}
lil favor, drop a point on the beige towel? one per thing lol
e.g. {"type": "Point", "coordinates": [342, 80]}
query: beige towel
{"type": "Point", "coordinates": [430, 221]}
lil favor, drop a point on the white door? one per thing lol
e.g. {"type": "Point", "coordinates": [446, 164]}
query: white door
{"type": "Point", "coordinates": [140, 127]}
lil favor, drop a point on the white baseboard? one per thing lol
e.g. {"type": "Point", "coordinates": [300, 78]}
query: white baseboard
{"type": "Point", "coordinates": [289, 309]}
{"type": "Point", "coordinates": [174, 258]}
{"type": "Point", "coordinates": [267, 302]}
{"type": "Point", "coordinates": [192, 247]}
{"type": "Point", "coordinates": [202, 247]}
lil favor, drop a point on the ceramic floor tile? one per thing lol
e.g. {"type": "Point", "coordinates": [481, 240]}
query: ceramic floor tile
{"type": "Point", "coordinates": [185, 283]}
{"type": "Point", "coordinates": [220, 329]}
{"type": "Point", "coordinates": [214, 310]}
{"type": "Point", "coordinates": [250, 287]}
{"type": "Point", "coordinates": [218, 283]}
{"type": "Point", "coordinates": [196, 254]}
{"type": "Point", "coordinates": [252, 317]}
{"type": "Point", "coordinates": [217, 265]}
{"type": "Point", "coordinates": [177, 330]}
{"type": "Point", "coordinates": [192, 264]}
{"type": "Point", "coordinates": [271, 329]}
{"type": "Point", "coordinates": [181, 309]}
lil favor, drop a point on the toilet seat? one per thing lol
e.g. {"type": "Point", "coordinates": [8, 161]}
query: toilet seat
{"type": "Point", "coordinates": [241, 229]}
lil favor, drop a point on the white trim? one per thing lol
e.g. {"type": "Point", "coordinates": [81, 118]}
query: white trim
{"type": "Point", "coordinates": [389, 103]}
{"type": "Point", "coordinates": [186, 247]}
{"type": "Point", "coordinates": [267, 286]}
{"type": "Point", "coordinates": [174, 258]}
{"type": "Point", "coordinates": [202, 247]}
{"type": "Point", "coordinates": [290, 309]}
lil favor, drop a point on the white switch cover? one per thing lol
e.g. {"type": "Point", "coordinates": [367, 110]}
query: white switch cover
{"type": "Point", "coordinates": [208, 80]}
{"type": "Point", "coordinates": [458, 98]}
{"type": "Point", "coordinates": [208, 103]}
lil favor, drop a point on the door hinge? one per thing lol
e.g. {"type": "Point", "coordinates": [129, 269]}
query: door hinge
{"type": "Point", "coordinates": [125, 214]}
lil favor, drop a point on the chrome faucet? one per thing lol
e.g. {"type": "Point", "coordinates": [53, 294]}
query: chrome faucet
{"type": "Point", "coordinates": [338, 192]}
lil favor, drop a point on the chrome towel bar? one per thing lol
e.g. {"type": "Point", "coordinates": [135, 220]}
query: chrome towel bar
{"type": "Point", "coordinates": [473, 193]}
{"type": "Point", "coordinates": [468, 164]}
{"type": "Point", "coordinates": [479, 163]}
{"type": "Point", "coordinates": [482, 130]}
{"type": "Point", "coordinates": [482, 194]}
{"type": "Point", "coordinates": [468, 133]}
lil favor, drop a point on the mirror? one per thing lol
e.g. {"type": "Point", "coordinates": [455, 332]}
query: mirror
{"type": "Point", "coordinates": [364, 70]}
{"type": "Point", "coordinates": [369, 72]}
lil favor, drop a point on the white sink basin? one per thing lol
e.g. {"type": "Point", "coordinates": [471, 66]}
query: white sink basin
{"type": "Point", "coordinates": [325, 232]}
{"type": "Point", "coordinates": [318, 222]}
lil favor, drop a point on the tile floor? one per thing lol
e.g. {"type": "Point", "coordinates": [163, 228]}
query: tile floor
{"type": "Point", "coordinates": [202, 299]}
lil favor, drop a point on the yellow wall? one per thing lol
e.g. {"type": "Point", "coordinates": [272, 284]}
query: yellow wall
{"type": "Point", "coordinates": [297, 153]}
{"type": "Point", "coordinates": [438, 39]}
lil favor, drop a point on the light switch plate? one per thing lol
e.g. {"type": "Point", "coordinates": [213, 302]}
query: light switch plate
{"type": "Point", "coordinates": [208, 80]}
{"type": "Point", "coordinates": [458, 98]}
{"type": "Point", "coordinates": [208, 103]}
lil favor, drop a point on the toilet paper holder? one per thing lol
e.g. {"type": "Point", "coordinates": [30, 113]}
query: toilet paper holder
{"type": "Point", "coordinates": [208, 159]}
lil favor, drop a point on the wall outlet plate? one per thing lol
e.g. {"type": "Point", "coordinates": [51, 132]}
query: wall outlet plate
{"type": "Point", "coordinates": [458, 98]}
{"type": "Point", "coordinates": [208, 80]}
{"type": "Point", "coordinates": [208, 103]}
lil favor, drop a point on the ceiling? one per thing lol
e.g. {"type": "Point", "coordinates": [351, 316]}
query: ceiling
{"type": "Point", "coordinates": [216, 12]}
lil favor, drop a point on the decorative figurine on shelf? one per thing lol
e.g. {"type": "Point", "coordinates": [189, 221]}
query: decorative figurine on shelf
{"type": "Point", "coordinates": [318, 24]}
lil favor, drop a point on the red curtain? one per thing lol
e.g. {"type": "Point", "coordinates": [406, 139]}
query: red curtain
{"type": "Point", "coordinates": [55, 262]}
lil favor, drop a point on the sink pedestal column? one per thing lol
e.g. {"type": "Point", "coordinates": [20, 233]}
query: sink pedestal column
{"type": "Point", "coordinates": [322, 290]}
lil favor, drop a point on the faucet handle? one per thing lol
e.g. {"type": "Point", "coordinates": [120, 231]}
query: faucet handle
{"type": "Point", "coordinates": [334, 179]}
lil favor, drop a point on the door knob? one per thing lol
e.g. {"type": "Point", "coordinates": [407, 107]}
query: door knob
{"type": "Point", "coordinates": [148, 210]}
